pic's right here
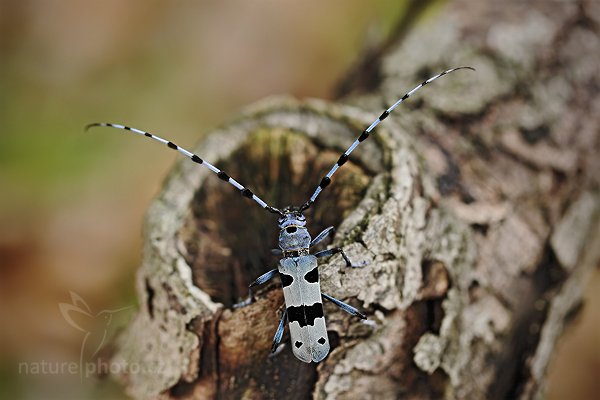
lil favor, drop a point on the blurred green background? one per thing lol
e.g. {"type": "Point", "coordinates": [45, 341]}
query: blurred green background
{"type": "Point", "coordinates": [72, 203]}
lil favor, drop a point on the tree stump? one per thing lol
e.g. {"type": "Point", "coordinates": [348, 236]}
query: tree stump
{"type": "Point", "coordinates": [476, 205]}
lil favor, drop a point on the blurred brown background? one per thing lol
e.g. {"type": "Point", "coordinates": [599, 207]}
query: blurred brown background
{"type": "Point", "coordinates": [72, 203]}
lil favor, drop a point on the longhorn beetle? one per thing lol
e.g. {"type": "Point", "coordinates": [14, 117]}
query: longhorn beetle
{"type": "Point", "coordinates": [298, 268]}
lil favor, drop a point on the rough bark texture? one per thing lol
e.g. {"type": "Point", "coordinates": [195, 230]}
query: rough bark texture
{"type": "Point", "coordinates": [477, 206]}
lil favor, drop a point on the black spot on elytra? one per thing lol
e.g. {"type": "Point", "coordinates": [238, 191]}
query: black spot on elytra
{"type": "Point", "coordinates": [298, 344]}
{"type": "Point", "coordinates": [312, 276]}
{"type": "Point", "coordinates": [305, 315]}
{"type": "Point", "coordinates": [286, 280]}
{"type": "Point", "coordinates": [321, 340]}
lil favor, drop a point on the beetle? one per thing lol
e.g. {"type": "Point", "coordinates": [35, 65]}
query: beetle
{"type": "Point", "coordinates": [298, 268]}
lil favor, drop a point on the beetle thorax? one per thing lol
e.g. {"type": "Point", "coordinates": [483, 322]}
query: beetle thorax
{"type": "Point", "coordinates": [293, 234]}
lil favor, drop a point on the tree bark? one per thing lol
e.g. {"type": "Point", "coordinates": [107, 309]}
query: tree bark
{"type": "Point", "coordinates": [476, 206]}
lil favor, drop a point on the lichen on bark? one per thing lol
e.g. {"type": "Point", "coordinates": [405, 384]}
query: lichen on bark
{"type": "Point", "coordinates": [476, 206]}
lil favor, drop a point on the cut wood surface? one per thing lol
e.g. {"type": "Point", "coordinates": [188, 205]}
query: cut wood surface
{"type": "Point", "coordinates": [476, 204]}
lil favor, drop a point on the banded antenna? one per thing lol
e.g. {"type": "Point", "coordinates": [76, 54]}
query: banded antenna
{"type": "Point", "coordinates": [222, 175]}
{"type": "Point", "coordinates": [365, 134]}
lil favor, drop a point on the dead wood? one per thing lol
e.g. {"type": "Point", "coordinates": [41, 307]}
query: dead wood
{"type": "Point", "coordinates": [476, 205]}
